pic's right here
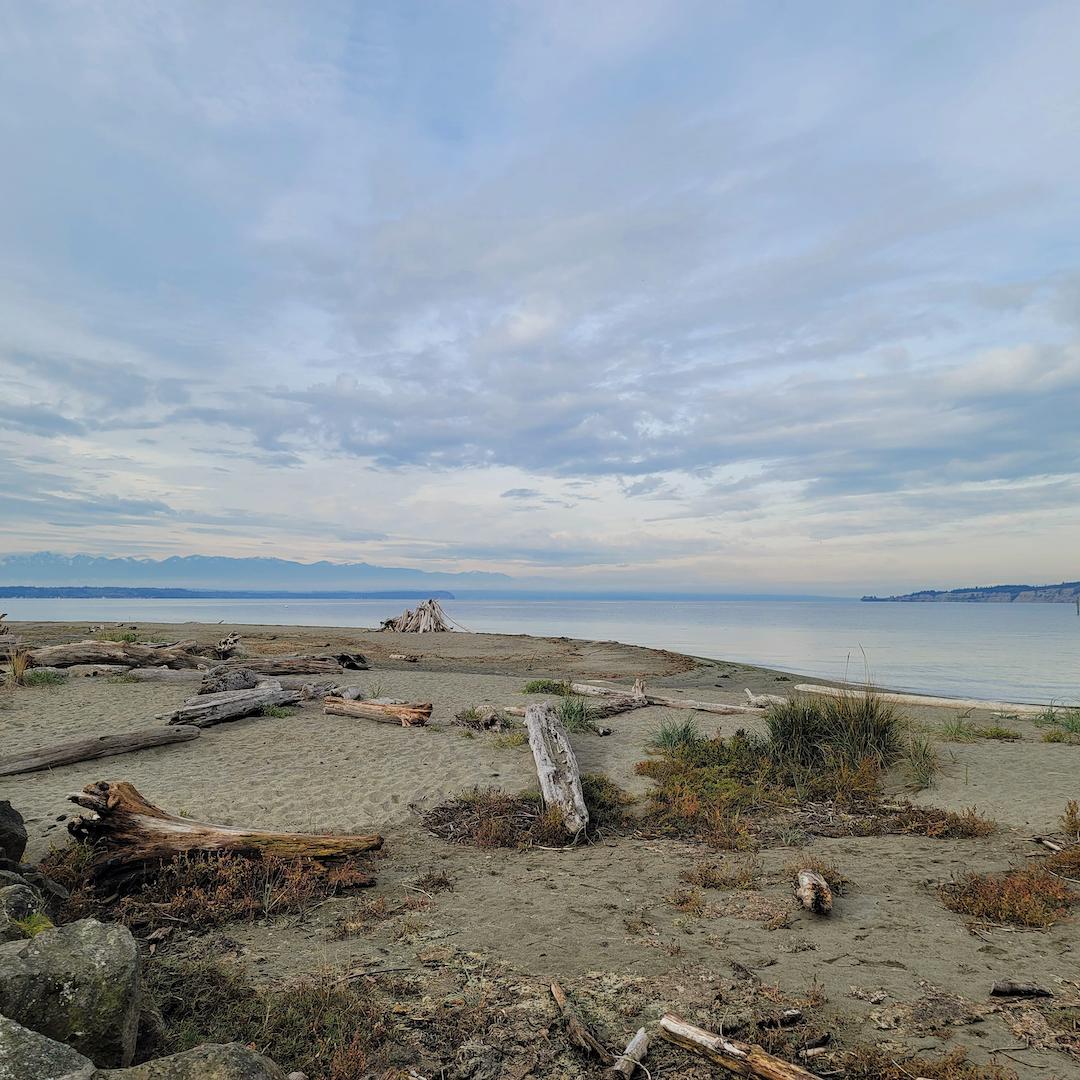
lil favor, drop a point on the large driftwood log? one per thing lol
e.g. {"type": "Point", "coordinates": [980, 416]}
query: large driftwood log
{"type": "Point", "coordinates": [284, 665]}
{"type": "Point", "coordinates": [813, 892]}
{"type": "Point", "coordinates": [404, 713]}
{"type": "Point", "coordinates": [49, 757]}
{"type": "Point", "coordinates": [631, 1057]}
{"type": "Point", "coordinates": [148, 674]}
{"type": "Point", "coordinates": [131, 834]}
{"type": "Point", "coordinates": [742, 1059]}
{"type": "Point", "coordinates": [580, 1033]}
{"type": "Point", "coordinates": [1009, 707]}
{"type": "Point", "coordinates": [206, 710]}
{"type": "Point", "coordinates": [126, 653]}
{"type": "Point", "coordinates": [556, 766]}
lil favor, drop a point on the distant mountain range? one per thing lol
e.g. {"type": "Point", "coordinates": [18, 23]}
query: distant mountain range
{"type": "Point", "coordinates": [216, 573]}
{"type": "Point", "coordinates": [1068, 592]}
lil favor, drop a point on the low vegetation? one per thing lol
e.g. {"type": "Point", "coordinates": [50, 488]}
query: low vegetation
{"type": "Point", "coordinates": [576, 715]}
{"type": "Point", "coordinates": [870, 1063]}
{"type": "Point", "coordinates": [560, 688]}
{"type": "Point", "coordinates": [20, 673]}
{"type": "Point", "coordinates": [277, 712]}
{"type": "Point", "coordinates": [1066, 719]}
{"type": "Point", "coordinates": [741, 873]}
{"type": "Point", "coordinates": [127, 636]}
{"type": "Point", "coordinates": [1029, 896]}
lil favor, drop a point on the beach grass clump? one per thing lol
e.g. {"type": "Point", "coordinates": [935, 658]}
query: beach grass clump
{"type": "Point", "coordinates": [1028, 896]}
{"type": "Point", "coordinates": [325, 1027]}
{"type": "Point", "coordinates": [872, 1063]}
{"type": "Point", "coordinates": [33, 924]}
{"type": "Point", "coordinates": [129, 637]}
{"type": "Point", "coordinates": [1057, 735]}
{"type": "Point", "coordinates": [34, 677]}
{"type": "Point", "coordinates": [921, 759]}
{"type": "Point", "coordinates": [20, 673]}
{"type": "Point", "coordinates": [1070, 820]}
{"type": "Point", "coordinates": [511, 738]}
{"type": "Point", "coordinates": [675, 734]}
{"type": "Point", "coordinates": [576, 715]}
{"type": "Point", "coordinates": [276, 712]}
{"type": "Point", "coordinates": [558, 687]}
{"type": "Point", "coordinates": [998, 733]}
{"type": "Point", "coordinates": [1066, 718]}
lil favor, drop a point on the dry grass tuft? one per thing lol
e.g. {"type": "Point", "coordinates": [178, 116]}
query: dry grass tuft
{"type": "Point", "coordinates": [870, 1063]}
{"type": "Point", "coordinates": [1029, 896]}
{"type": "Point", "coordinates": [742, 874]}
{"type": "Point", "coordinates": [1070, 820]}
{"type": "Point", "coordinates": [687, 900]}
{"type": "Point", "coordinates": [1065, 863]}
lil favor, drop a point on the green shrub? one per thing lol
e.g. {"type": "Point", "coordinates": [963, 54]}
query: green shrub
{"type": "Point", "coordinates": [547, 686]}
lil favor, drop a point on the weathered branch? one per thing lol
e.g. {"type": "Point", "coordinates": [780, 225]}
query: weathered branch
{"type": "Point", "coordinates": [580, 1032]}
{"type": "Point", "coordinates": [87, 749]}
{"type": "Point", "coordinates": [742, 1059]}
{"type": "Point", "coordinates": [631, 1057]}
{"type": "Point", "coordinates": [132, 833]}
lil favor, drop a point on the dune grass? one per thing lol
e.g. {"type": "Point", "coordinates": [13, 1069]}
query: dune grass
{"type": "Point", "coordinates": [560, 688]}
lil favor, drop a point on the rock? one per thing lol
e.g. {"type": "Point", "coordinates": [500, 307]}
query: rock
{"type": "Point", "coordinates": [16, 902]}
{"type": "Point", "coordinates": [77, 983]}
{"type": "Point", "coordinates": [12, 832]}
{"type": "Point", "coordinates": [12, 873]}
{"type": "Point", "coordinates": [26, 1055]}
{"type": "Point", "coordinates": [227, 1061]}
{"type": "Point", "coordinates": [223, 679]}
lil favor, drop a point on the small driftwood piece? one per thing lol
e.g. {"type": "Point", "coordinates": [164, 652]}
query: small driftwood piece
{"type": "Point", "coordinates": [580, 1033]}
{"type": "Point", "coordinates": [1008, 988]}
{"type": "Point", "coordinates": [131, 834]}
{"type": "Point", "coordinates": [284, 665]}
{"type": "Point", "coordinates": [813, 892]}
{"type": "Point", "coordinates": [763, 701]}
{"type": "Point", "coordinates": [631, 1057]}
{"type": "Point", "coordinates": [403, 713]}
{"type": "Point", "coordinates": [205, 710]}
{"type": "Point", "coordinates": [50, 757]}
{"type": "Point", "coordinates": [125, 653]}
{"type": "Point", "coordinates": [408, 658]}
{"type": "Point", "coordinates": [428, 618]}
{"type": "Point", "coordinates": [1008, 707]}
{"type": "Point", "coordinates": [742, 1059]}
{"type": "Point", "coordinates": [556, 766]}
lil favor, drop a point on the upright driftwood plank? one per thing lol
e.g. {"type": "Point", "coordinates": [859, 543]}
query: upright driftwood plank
{"type": "Point", "coordinates": [742, 1059]}
{"type": "Point", "coordinates": [208, 709]}
{"type": "Point", "coordinates": [131, 833]}
{"type": "Point", "coordinates": [556, 766]}
{"type": "Point", "coordinates": [49, 757]}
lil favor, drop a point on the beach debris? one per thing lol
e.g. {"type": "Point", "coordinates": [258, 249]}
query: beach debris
{"type": "Point", "coordinates": [51, 757]}
{"type": "Point", "coordinates": [1010, 708]}
{"type": "Point", "coordinates": [556, 766]}
{"type": "Point", "coordinates": [580, 1033]}
{"type": "Point", "coordinates": [131, 833]}
{"type": "Point", "coordinates": [743, 1059]}
{"type": "Point", "coordinates": [485, 718]}
{"type": "Point", "coordinates": [229, 646]}
{"type": "Point", "coordinates": [428, 618]}
{"type": "Point", "coordinates": [4, 628]}
{"type": "Point", "coordinates": [384, 710]}
{"type": "Point", "coordinates": [221, 680]}
{"type": "Point", "coordinates": [205, 710]}
{"type": "Point", "coordinates": [408, 658]}
{"type": "Point", "coordinates": [293, 665]}
{"type": "Point", "coordinates": [631, 1057]}
{"type": "Point", "coordinates": [720, 708]}
{"type": "Point", "coordinates": [1008, 988]}
{"type": "Point", "coordinates": [813, 892]}
{"type": "Point", "coordinates": [763, 701]}
{"type": "Point", "coordinates": [127, 654]}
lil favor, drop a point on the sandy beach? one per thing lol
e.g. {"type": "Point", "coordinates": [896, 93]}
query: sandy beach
{"type": "Point", "coordinates": [598, 917]}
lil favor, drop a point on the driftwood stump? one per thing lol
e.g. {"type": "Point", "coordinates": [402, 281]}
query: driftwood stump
{"type": "Point", "coordinates": [133, 834]}
{"type": "Point", "coordinates": [556, 766]}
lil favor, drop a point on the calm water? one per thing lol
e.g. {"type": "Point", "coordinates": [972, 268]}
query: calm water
{"type": "Point", "coordinates": [1027, 652]}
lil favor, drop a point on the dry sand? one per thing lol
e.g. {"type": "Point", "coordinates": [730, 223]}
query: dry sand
{"type": "Point", "coordinates": [600, 908]}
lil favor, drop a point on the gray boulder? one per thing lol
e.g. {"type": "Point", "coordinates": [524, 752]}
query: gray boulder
{"type": "Point", "coordinates": [227, 1061]}
{"type": "Point", "coordinates": [79, 984]}
{"type": "Point", "coordinates": [222, 679]}
{"type": "Point", "coordinates": [26, 1055]}
{"type": "Point", "coordinates": [12, 832]}
{"type": "Point", "coordinates": [16, 902]}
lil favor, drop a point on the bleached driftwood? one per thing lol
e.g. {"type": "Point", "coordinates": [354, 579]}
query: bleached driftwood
{"type": "Point", "coordinates": [742, 1059]}
{"type": "Point", "coordinates": [1010, 707]}
{"type": "Point", "coordinates": [384, 710]}
{"type": "Point", "coordinates": [205, 710]}
{"type": "Point", "coordinates": [428, 618]}
{"type": "Point", "coordinates": [283, 665]}
{"type": "Point", "coordinates": [763, 701]}
{"type": "Point", "coordinates": [813, 892]}
{"type": "Point", "coordinates": [720, 708]}
{"type": "Point", "coordinates": [580, 1033]}
{"type": "Point", "coordinates": [50, 757]}
{"type": "Point", "coordinates": [631, 1057]}
{"type": "Point", "coordinates": [124, 653]}
{"type": "Point", "coordinates": [129, 833]}
{"type": "Point", "coordinates": [556, 766]}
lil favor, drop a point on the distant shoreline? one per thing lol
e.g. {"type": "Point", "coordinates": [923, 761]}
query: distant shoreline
{"type": "Point", "coordinates": [1067, 592]}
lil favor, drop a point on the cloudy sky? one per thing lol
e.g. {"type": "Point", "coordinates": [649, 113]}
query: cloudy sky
{"type": "Point", "coordinates": [738, 295]}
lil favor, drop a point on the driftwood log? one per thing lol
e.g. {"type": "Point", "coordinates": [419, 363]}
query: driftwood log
{"type": "Point", "coordinates": [813, 892]}
{"type": "Point", "coordinates": [720, 708]}
{"type": "Point", "coordinates": [631, 1057]}
{"type": "Point", "coordinates": [1008, 988]}
{"type": "Point", "coordinates": [205, 710]}
{"type": "Point", "coordinates": [49, 757]}
{"type": "Point", "coordinates": [763, 701]}
{"type": "Point", "coordinates": [125, 653]}
{"type": "Point", "coordinates": [580, 1033]}
{"type": "Point", "coordinates": [132, 834]}
{"type": "Point", "coordinates": [556, 766]}
{"type": "Point", "coordinates": [1008, 707]}
{"type": "Point", "coordinates": [403, 713]}
{"type": "Point", "coordinates": [428, 618]}
{"type": "Point", "coordinates": [742, 1059]}
{"type": "Point", "coordinates": [284, 665]}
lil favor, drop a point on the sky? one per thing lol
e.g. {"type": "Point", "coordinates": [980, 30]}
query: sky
{"type": "Point", "coordinates": [763, 295]}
